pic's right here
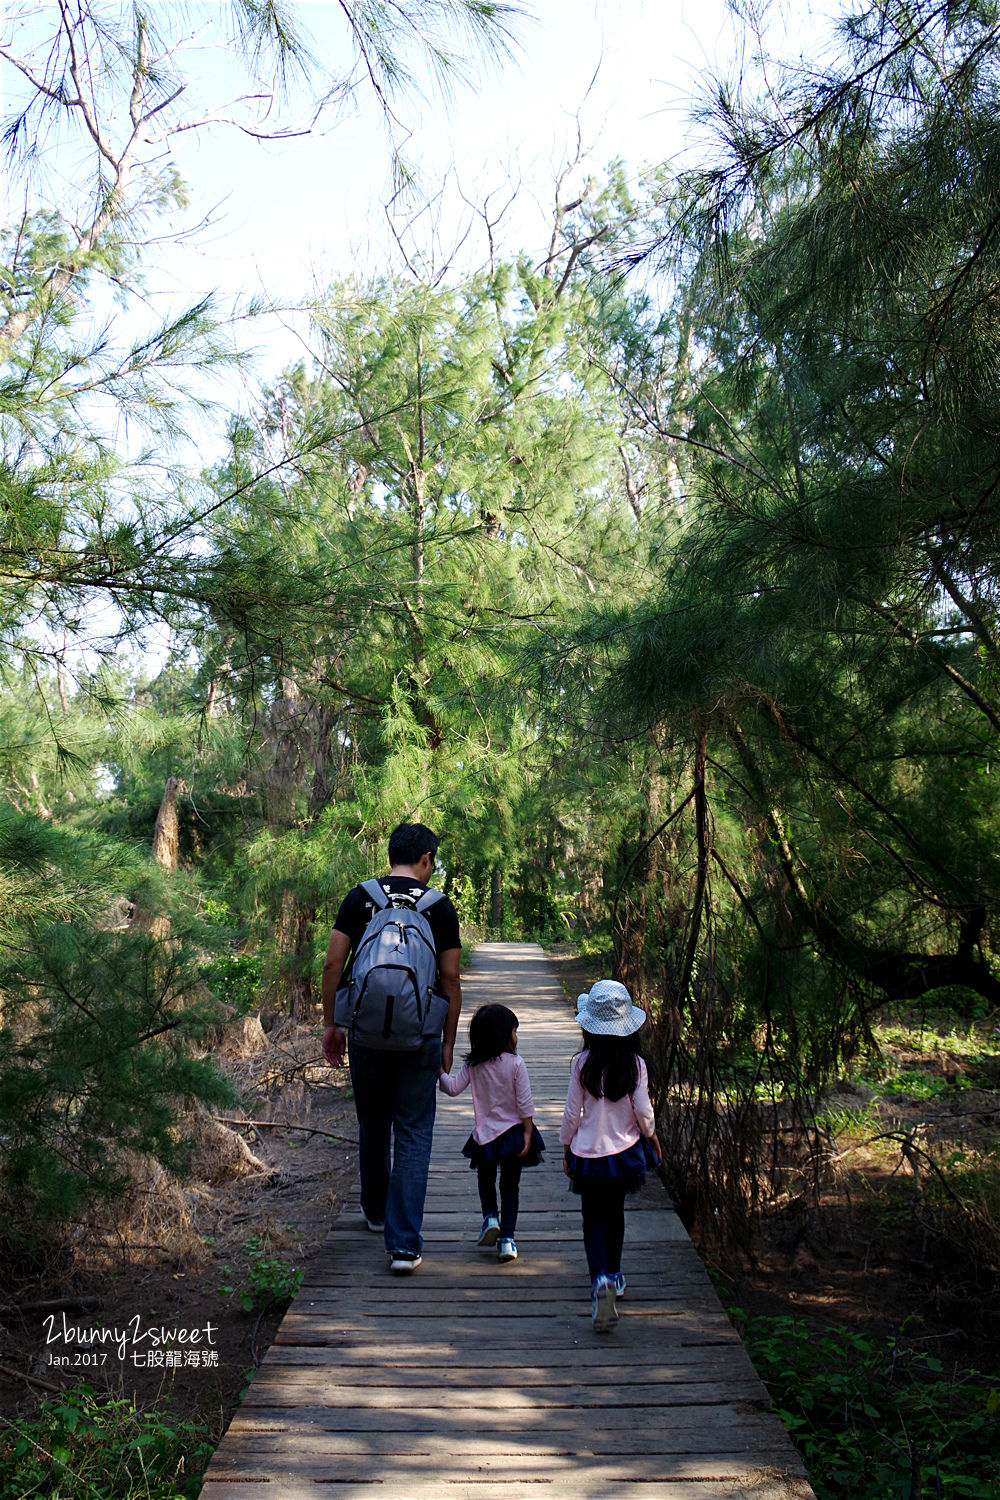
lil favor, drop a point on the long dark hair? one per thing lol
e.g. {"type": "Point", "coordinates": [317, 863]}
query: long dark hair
{"type": "Point", "coordinates": [611, 1066]}
{"type": "Point", "coordinates": [489, 1033]}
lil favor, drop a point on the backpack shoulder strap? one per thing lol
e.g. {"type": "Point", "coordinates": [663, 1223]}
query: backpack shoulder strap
{"type": "Point", "coordinates": [375, 893]}
{"type": "Point", "coordinates": [429, 899]}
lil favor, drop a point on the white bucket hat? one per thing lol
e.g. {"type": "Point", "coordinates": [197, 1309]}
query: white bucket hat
{"type": "Point", "coordinates": [608, 1010]}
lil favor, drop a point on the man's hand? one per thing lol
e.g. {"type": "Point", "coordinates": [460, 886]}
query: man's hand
{"type": "Point", "coordinates": [334, 1041]}
{"type": "Point", "coordinates": [451, 987]}
{"type": "Point", "coordinates": [334, 1046]}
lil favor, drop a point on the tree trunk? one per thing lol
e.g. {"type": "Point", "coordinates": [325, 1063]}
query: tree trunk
{"type": "Point", "coordinates": [324, 725]}
{"type": "Point", "coordinates": [301, 995]}
{"type": "Point", "coordinates": [166, 842]}
{"type": "Point", "coordinates": [166, 833]}
{"type": "Point", "coordinates": [283, 777]}
{"type": "Point", "coordinates": [496, 897]}
{"type": "Point", "coordinates": [304, 734]}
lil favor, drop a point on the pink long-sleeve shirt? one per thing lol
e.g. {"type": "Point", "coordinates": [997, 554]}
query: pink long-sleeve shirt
{"type": "Point", "coordinates": [501, 1094]}
{"type": "Point", "coordinates": [602, 1127]}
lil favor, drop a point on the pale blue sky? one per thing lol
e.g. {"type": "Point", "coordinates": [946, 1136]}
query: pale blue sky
{"type": "Point", "coordinates": [310, 210]}
{"type": "Point", "coordinates": [313, 201]}
{"type": "Point", "coordinates": [288, 216]}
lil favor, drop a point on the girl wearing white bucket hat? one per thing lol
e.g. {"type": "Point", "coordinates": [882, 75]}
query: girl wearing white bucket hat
{"type": "Point", "coordinates": [608, 1133]}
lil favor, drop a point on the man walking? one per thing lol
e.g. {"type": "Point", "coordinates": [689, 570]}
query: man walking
{"type": "Point", "coordinates": [395, 1092]}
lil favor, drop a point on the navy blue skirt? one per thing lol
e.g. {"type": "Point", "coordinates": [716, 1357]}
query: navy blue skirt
{"type": "Point", "coordinates": [628, 1167]}
{"type": "Point", "coordinates": [508, 1144]}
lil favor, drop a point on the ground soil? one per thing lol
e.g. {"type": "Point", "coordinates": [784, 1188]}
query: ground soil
{"type": "Point", "coordinates": [177, 1255]}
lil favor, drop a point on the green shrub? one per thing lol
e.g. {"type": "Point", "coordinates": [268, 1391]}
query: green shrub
{"type": "Point", "coordinates": [914, 1083]}
{"type": "Point", "coordinates": [102, 1023]}
{"type": "Point", "coordinates": [97, 1057]}
{"type": "Point", "coordinates": [270, 1282]}
{"type": "Point", "coordinates": [81, 1447]}
{"type": "Point", "coordinates": [597, 947]}
{"type": "Point", "coordinates": [236, 978]}
{"type": "Point", "coordinates": [876, 1421]}
{"type": "Point", "coordinates": [837, 1120]}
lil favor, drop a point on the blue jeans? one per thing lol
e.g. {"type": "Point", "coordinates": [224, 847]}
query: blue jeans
{"type": "Point", "coordinates": [395, 1094]}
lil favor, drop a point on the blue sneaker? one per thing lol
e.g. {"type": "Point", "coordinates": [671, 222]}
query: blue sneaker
{"type": "Point", "coordinates": [605, 1314]}
{"type": "Point", "coordinates": [490, 1232]}
{"type": "Point", "coordinates": [620, 1283]}
{"type": "Point", "coordinates": [507, 1251]}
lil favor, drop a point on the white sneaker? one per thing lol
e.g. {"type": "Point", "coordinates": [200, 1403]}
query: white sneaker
{"type": "Point", "coordinates": [620, 1283]}
{"type": "Point", "coordinates": [507, 1251]}
{"type": "Point", "coordinates": [405, 1263]}
{"type": "Point", "coordinates": [490, 1232]}
{"type": "Point", "coordinates": [605, 1314]}
{"type": "Point", "coordinates": [375, 1225]}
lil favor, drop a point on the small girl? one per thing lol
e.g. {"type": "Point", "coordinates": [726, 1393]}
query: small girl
{"type": "Point", "coordinates": [504, 1136]}
{"type": "Point", "coordinates": [606, 1126]}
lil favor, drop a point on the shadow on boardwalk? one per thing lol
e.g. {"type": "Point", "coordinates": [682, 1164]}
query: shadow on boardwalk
{"type": "Point", "coordinates": [473, 1379]}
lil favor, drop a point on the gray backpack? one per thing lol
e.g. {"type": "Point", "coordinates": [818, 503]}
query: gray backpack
{"type": "Point", "coordinates": [389, 1001]}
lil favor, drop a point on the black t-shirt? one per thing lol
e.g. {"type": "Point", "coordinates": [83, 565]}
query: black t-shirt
{"type": "Point", "coordinates": [357, 908]}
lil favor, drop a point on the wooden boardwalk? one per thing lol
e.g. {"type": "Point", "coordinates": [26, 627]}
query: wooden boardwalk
{"type": "Point", "coordinates": [472, 1379]}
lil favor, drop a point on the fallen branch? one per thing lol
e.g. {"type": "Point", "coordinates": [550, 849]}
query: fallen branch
{"type": "Point", "coordinates": [43, 1385]}
{"type": "Point", "coordinates": [281, 1125]}
{"type": "Point", "coordinates": [56, 1304]}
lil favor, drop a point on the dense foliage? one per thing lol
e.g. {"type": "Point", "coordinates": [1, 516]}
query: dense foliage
{"type": "Point", "coordinates": [874, 1419]}
{"type": "Point", "coordinates": [819, 650]}
{"type": "Point", "coordinates": [79, 1447]}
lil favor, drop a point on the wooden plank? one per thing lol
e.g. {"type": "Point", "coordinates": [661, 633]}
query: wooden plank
{"type": "Point", "coordinates": [598, 1355]}
{"type": "Point", "coordinates": [573, 1482]}
{"type": "Point", "coordinates": [515, 1301]}
{"type": "Point", "coordinates": [449, 1256]}
{"type": "Point", "coordinates": [602, 1365]}
{"type": "Point", "coordinates": [384, 1334]}
{"type": "Point", "coordinates": [321, 1487]}
{"type": "Point", "coordinates": [284, 1387]}
{"type": "Point", "coordinates": [259, 1453]}
{"type": "Point", "coordinates": [647, 1273]}
{"type": "Point", "coordinates": [294, 1435]}
{"type": "Point", "coordinates": [505, 1289]}
{"type": "Point", "coordinates": [724, 1421]}
{"type": "Point", "coordinates": [363, 1345]}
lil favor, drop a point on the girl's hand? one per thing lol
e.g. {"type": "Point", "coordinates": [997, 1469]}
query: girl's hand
{"type": "Point", "coordinates": [527, 1141]}
{"type": "Point", "coordinates": [657, 1148]}
{"type": "Point", "coordinates": [566, 1170]}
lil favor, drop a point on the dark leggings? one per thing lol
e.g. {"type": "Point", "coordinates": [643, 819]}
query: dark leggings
{"type": "Point", "coordinates": [510, 1177]}
{"type": "Point", "coordinates": [603, 1205]}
